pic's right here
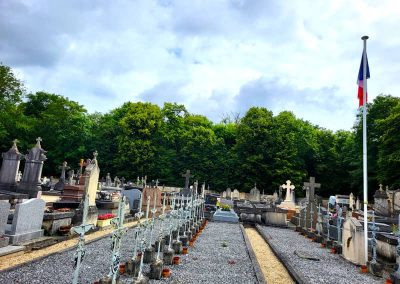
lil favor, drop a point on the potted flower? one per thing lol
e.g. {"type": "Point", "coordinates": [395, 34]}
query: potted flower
{"type": "Point", "coordinates": [226, 207]}
{"type": "Point", "coordinates": [104, 220]}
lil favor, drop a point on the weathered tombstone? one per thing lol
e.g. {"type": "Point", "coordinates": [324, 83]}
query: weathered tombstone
{"type": "Point", "coordinates": [61, 183]}
{"type": "Point", "coordinates": [9, 168]}
{"type": "Point", "coordinates": [242, 195]}
{"type": "Point", "coordinates": [133, 195]}
{"type": "Point", "coordinates": [228, 193]}
{"type": "Point", "coordinates": [353, 240]}
{"type": "Point", "coordinates": [224, 194]}
{"type": "Point", "coordinates": [154, 202]}
{"type": "Point", "coordinates": [30, 183]}
{"type": "Point", "coordinates": [27, 221]}
{"type": "Point", "coordinates": [108, 180]}
{"type": "Point", "coordinates": [186, 191]}
{"type": "Point", "coordinates": [235, 194]}
{"type": "Point", "coordinates": [288, 202]}
{"type": "Point", "coordinates": [254, 194]}
{"type": "Point", "coordinates": [381, 202]}
{"type": "Point", "coordinates": [311, 212]}
{"type": "Point", "coordinates": [4, 211]}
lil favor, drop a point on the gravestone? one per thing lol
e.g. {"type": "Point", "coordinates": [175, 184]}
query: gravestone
{"type": "Point", "coordinates": [27, 222]}
{"type": "Point", "coordinates": [288, 202]}
{"type": "Point", "coordinates": [186, 190]}
{"type": "Point", "coordinates": [242, 195]}
{"type": "Point", "coordinates": [152, 192]}
{"type": "Point", "coordinates": [353, 241]}
{"type": "Point", "coordinates": [9, 168]}
{"type": "Point", "coordinates": [254, 194]}
{"type": "Point", "coordinates": [61, 183]}
{"type": "Point", "coordinates": [235, 194]}
{"type": "Point", "coordinates": [381, 202]}
{"type": "Point", "coordinates": [311, 211]}
{"type": "Point", "coordinates": [224, 194]}
{"type": "Point", "coordinates": [30, 183]}
{"type": "Point", "coordinates": [133, 195]}
{"type": "Point", "coordinates": [4, 212]}
{"type": "Point", "coordinates": [108, 180]}
{"type": "Point", "coordinates": [228, 193]}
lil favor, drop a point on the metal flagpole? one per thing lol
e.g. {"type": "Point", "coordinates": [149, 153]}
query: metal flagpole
{"type": "Point", "coordinates": [365, 173]}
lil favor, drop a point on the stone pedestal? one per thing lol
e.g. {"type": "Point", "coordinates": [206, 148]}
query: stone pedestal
{"type": "Point", "coordinates": [174, 234]}
{"type": "Point", "coordinates": [156, 269]}
{"type": "Point", "coordinates": [168, 255]}
{"type": "Point", "coordinates": [184, 240]}
{"type": "Point", "coordinates": [177, 247]}
{"type": "Point", "coordinates": [133, 267]}
{"type": "Point", "coordinates": [161, 246]}
{"type": "Point", "coordinates": [166, 240]}
{"type": "Point", "coordinates": [149, 255]}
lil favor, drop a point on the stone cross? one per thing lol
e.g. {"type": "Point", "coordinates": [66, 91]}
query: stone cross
{"type": "Point", "coordinates": [310, 187]}
{"type": "Point", "coordinates": [120, 230]}
{"type": "Point", "coordinates": [380, 187]}
{"type": "Point", "coordinates": [63, 168]}
{"type": "Point", "coordinates": [187, 177]}
{"type": "Point", "coordinates": [81, 230]}
{"type": "Point", "coordinates": [289, 187]}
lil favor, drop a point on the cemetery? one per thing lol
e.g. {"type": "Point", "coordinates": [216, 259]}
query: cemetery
{"type": "Point", "coordinates": [206, 142]}
{"type": "Point", "coordinates": [159, 235]}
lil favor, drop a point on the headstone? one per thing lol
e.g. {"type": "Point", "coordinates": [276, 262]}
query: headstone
{"type": "Point", "coordinates": [224, 194]}
{"type": "Point", "coordinates": [133, 195]}
{"type": "Point", "coordinates": [27, 221]}
{"type": "Point", "coordinates": [351, 202]}
{"type": "Point", "coordinates": [381, 202]}
{"type": "Point", "coordinates": [235, 194]}
{"type": "Point", "coordinates": [228, 193]}
{"type": "Point", "coordinates": [30, 183]}
{"type": "Point", "coordinates": [353, 241]}
{"type": "Point", "coordinates": [310, 189]}
{"type": "Point", "coordinates": [242, 195]}
{"type": "Point", "coordinates": [288, 202]}
{"type": "Point", "coordinates": [4, 212]}
{"type": "Point", "coordinates": [108, 180]}
{"type": "Point", "coordinates": [117, 182]}
{"type": "Point", "coordinates": [254, 194]}
{"type": "Point", "coordinates": [9, 168]}
{"type": "Point", "coordinates": [61, 182]}
{"type": "Point", "coordinates": [150, 192]}
{"type": "Point", "coordinates": [186, 191]}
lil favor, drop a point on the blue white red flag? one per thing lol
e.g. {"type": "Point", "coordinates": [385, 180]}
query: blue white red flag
{"type": "Point", "coordinates": [360, 82]}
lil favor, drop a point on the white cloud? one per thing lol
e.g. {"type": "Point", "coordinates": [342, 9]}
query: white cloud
{"type": "Point", "coordinates": [216, 57]}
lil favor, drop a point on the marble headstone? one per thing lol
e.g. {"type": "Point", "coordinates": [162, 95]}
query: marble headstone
{"type": "Point", "coordinates": [27, 221]}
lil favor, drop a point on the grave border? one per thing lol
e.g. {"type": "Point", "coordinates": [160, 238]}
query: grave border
{"type": "Point", "coordinates": [298, 277]}
{"type": "Point", "coordinates": [256, 266]}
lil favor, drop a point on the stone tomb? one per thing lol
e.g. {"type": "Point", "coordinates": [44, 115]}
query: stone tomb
{"type": "Point", "coordinates": [254, 194]}
{"type": "Point", "coordinates": [4, 211]}
{"type": "Point", "coordinates": [381, 202]}
{"type": "Point", "coordinates": [53, 222]}
{"type": "Point", "coordinates": [133, 196]}
{"type": "Point", "coordinates": [27, 221]}
{"type": "Point", "coordinates": [235, 194]}
{"type": "Point", "coordinates": [275, 217]}
{"type": "Point", "coordinates": [353, 240]}
{"type": "Point", "coordinates": [9, 168]}
{"type": "Point", "coordinates": [152, 192]}
{"type": "Point", "coordinates": [226, 216]}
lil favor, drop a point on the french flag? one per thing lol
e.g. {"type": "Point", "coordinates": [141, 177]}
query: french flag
{"type": "Point", "coordinates": [360, 82]}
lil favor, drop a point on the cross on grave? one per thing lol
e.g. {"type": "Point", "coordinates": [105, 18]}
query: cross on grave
{"type": "Point", "coordinates": [187, 176]}
{"type": "Point", "coordinates": [288, 186]}
{"type": "Point", "coordinates": [63, 168]}
{"type": "Point", "coordinates": [380, 187]}
{"type": "Point", "coordinates": [310, 187]}
{"type": "Point", "coordinates": [38, 140]}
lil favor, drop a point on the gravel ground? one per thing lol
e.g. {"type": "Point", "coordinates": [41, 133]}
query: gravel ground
{"type": "Point", "coordinates": [331, 268]}
{"type": "Point", "coordinates": [207, 261]}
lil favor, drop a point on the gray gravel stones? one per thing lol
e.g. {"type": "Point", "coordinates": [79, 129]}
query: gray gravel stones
{"type": "Point", "coordinates": [331, 268]}
{"type": "Point", "coordinates": [207, 262]}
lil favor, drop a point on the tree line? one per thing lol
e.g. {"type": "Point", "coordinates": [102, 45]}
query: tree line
{"type": "Point", "coordinates": [140, 138]}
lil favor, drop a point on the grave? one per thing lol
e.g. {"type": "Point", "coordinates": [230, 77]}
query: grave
{"type": "Point", "coordinates": [353, 239]}
{"type": "Point", "coordinates": [226, 216]}
{"type": "Point", "coordinates": [155, 195]}
{"type": "Point", "coordinates": [9, 168]}
{"type": "Point", "coordinates": [27, 221]}
{"type": "Point", "coordinates": [275, 217]}
{"type": "Point", "coordinates": [4, 211]}
{"type": "Point", "coordinates": [228, 193]}
{"type": "Point", "coordinates": [288, 203]}
{"type": "Point", "coordinates": [30, 182]}
{"type": "Point", "coordinates": [186, 190]}
{"type": "Point", "coordinates": [381, 202]}
{"type": "Point", "coordinates": [57, 222]}
{"type": "Point", "coordinates": [254, 194]}
{"type": "Point", "coordinates": [133, 195]}
{"type": "Point", "coordinates": [235, 194]}
{"type": "Point", "coordinates": [59, 186]}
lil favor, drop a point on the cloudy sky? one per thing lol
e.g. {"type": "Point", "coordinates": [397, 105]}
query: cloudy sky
{"type": "Point", "coordinates": [217, 57]}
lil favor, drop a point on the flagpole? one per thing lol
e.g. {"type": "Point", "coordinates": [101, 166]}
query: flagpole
{"type": "Point", "coordinates": [365, 168]}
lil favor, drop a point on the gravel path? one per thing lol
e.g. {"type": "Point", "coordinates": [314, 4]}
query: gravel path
{"type": "Point", "coordinates": [331, 268]}
{"type": "Point", "coordinates": [207, 261]}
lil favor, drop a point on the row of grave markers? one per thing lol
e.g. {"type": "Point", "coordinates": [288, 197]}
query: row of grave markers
{"type": "Point", "coordinates": [177, 228]}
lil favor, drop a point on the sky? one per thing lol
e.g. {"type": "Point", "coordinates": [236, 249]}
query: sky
{"type": "Point", "coordinates": [217, 57]}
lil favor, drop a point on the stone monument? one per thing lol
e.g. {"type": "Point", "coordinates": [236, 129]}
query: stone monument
{"type": "Point", "coordinates": [186, 191]}
{"type": "Point", "coordinates": [9, 168]}
{"type": "Point", "coordinates": [288, 202]}
{"type": "Point", "coordinates": [30, 183]}
{"type": "Point", "coordinates": [254, 194]}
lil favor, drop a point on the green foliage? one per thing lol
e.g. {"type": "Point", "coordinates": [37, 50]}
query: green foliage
{"type": "Point", "coordinates": [138, 139]}
{"type": "Point", "coordinates": [226, 207]}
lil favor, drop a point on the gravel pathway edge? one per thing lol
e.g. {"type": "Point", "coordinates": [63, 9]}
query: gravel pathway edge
{"type": "Point", "coordinates": [257, 269]}
{"type": "Point", "coordinates": [297, 276]}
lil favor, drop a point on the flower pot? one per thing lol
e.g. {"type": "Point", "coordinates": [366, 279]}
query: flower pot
{"type": "Point", "coordinates": [104, 223]}
{"type": "Point", "coordinates": [121, 268]}
{"type": "Point", "coordinates": [166, 273]}
{"type": "Point", "coordinates": [184, 250]}
{"type": "Point", "coordinates": [191, 243]}
{"type": "Point", "coordinates": [176, 260]}
{"type": "Point", "coordinates": [364, 269]}
{"type": "Point", "coordinates": [388, 281]}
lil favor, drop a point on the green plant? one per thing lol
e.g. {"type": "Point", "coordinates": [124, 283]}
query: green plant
{"type": "Point", "coordinates": [226, 207]}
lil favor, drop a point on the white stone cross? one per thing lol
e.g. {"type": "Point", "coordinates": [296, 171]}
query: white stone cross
{"type": "Point", "coordinates": [288, 186]}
